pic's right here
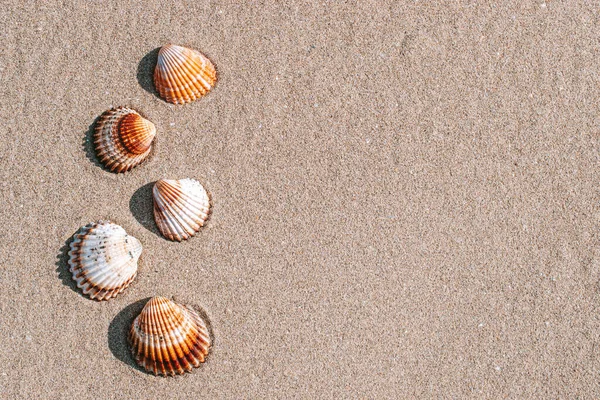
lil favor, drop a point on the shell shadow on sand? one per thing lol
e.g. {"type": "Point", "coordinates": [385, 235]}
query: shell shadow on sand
{"type": "Point", "coordinates": [145, 71]}
{"type": "Point", "coordinates": [118, 332]}
{"type": "Point", "coordinates": [141, 206]}
{"type": "Point", "coordinates": [88, 144]}
{"type": "Point", "coordinates": [62, 266]}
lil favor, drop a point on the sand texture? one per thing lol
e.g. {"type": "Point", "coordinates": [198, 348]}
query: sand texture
{"type": "Point", "coordinates": [406, 198]}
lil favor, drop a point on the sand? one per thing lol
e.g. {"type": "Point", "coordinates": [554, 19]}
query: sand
{"type": "Point", "coordinates": [405, 198]}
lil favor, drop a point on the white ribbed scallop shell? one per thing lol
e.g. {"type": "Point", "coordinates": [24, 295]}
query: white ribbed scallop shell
{"type": "Point", "coordinates": [183, 75]}
{"type": "Point", "coordinates": [181, 207]}
{"type": "Point", "coordinates": [103, 259]}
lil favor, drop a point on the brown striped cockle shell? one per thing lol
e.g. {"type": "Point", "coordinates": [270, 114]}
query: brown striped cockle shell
{"type": "Point", "coordinates": [103, 259]}
{"type": "Point", "coordinates": [168, 338]}
{"type": "Point", "coordinates": [183, 75]}
{"type": "Point", "coordinates": [181, 207]}
{"type": "Point", "coordinates": [123, 139]}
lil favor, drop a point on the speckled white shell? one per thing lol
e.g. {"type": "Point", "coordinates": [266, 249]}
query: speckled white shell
{"type": "Point", "coordinates": [181, 207]}
{"type": "Point", "coordinates": [103, 259]}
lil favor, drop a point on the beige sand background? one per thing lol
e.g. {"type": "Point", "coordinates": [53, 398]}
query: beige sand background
{"type": "Point", "coordinates": [405, 198]}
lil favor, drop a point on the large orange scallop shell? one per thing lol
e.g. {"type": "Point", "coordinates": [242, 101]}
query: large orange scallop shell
{"type": "Point", "coordinates": [181, 207]}
{"type": "Point", "coordinates": [168, 338]}
{"type": "Point", "coordinates": [123, 139]}
{"type": "Point", "coordinates": [183, 75]}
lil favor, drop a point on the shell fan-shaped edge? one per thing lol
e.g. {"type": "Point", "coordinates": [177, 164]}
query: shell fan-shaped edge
{"type": "Point", "coordinates": [168, 338]}
{"type": "Point", "coordinates": [123, 139]}
{"type": "Point", "coordinates": [183, 75]}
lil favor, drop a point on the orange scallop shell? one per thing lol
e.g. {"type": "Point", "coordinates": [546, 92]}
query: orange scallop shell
{"type": "Point", "coordinates": [183, 75]}
{"type": "Point", "coordinates": [168, 338]}
{"type": "Point", "coordinates": [123, 139]}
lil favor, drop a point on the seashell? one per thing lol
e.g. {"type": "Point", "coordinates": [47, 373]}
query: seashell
{"type": "Point", "coordinates": [123, 139]}
{"type": "Point", "coordinates": [168, 338]}
{"type": "Point", "coordinates": [181, 207]}
{"type": "Point", "coordinates": [103, 259]}
{"type": "Point", "coordinates": [183, 75]}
